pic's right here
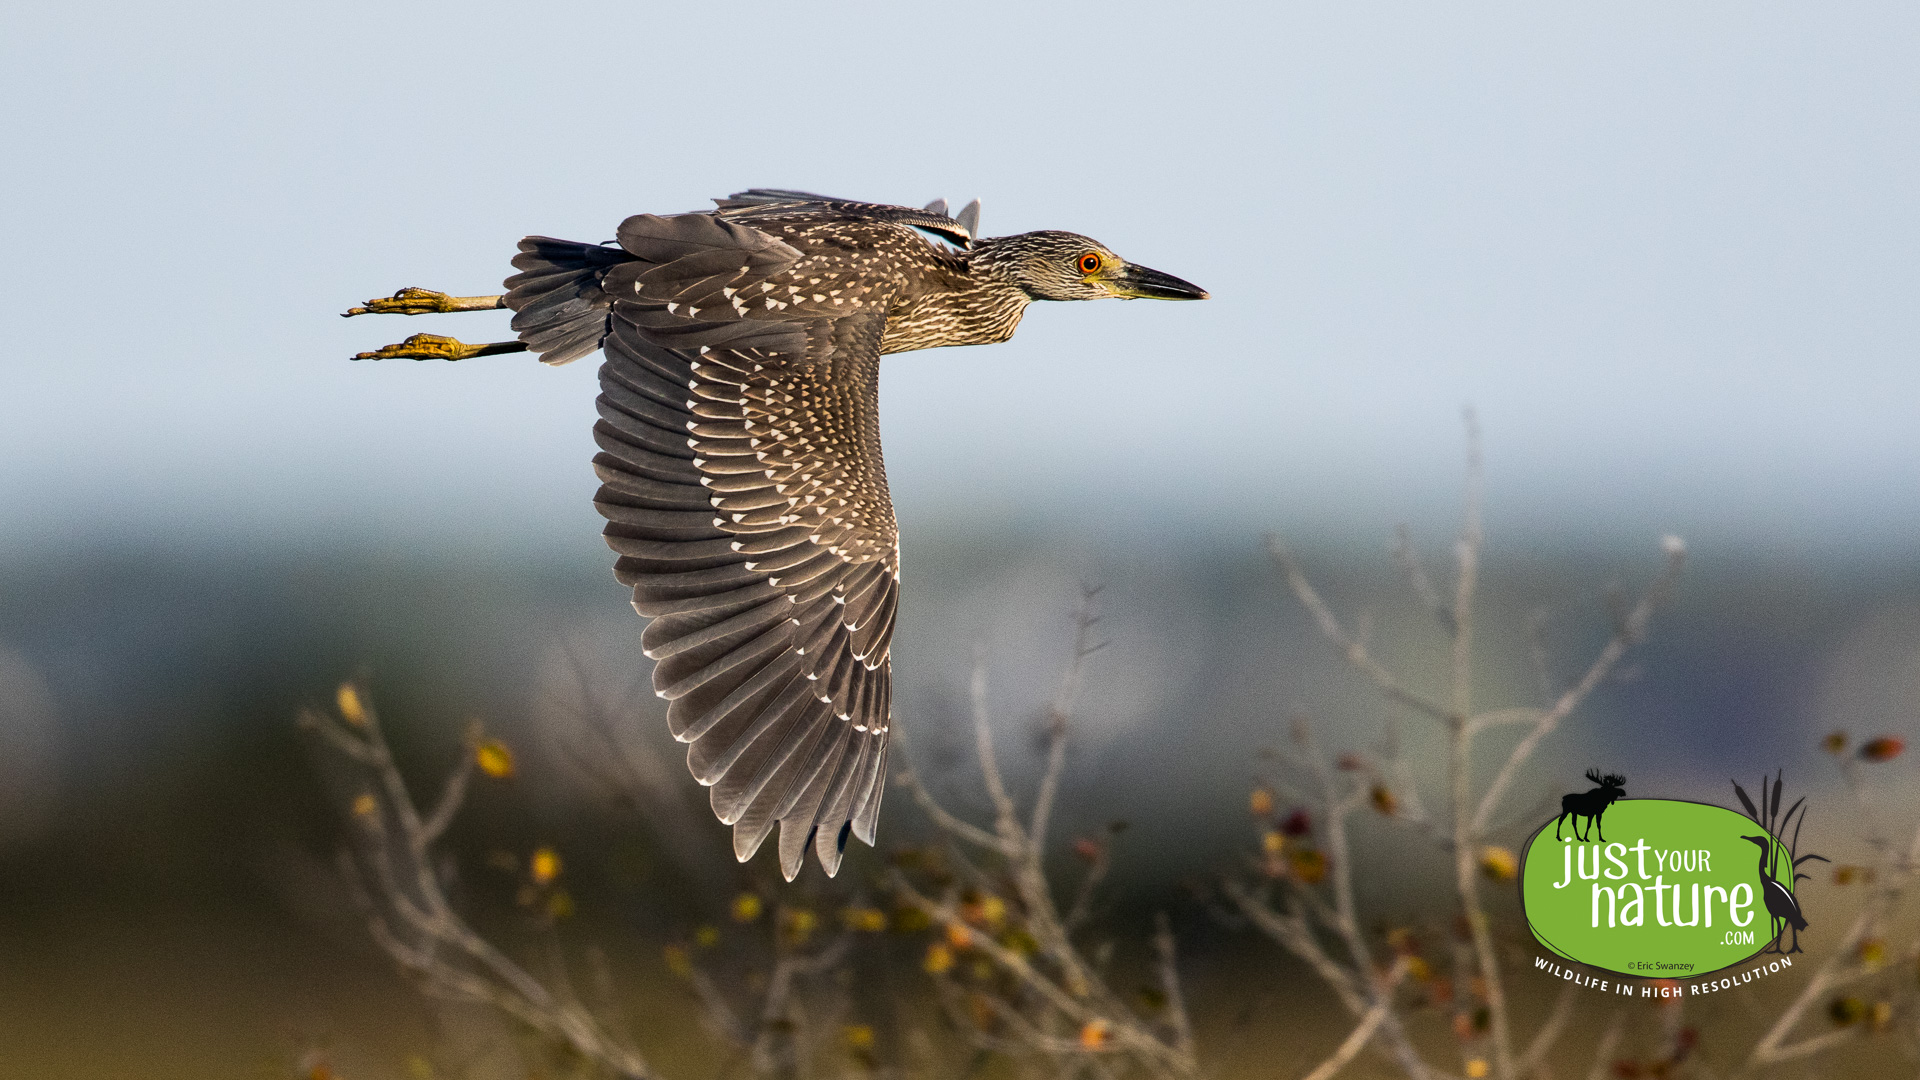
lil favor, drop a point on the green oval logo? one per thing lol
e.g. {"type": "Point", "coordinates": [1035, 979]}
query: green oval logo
{"type": "Point", "coordinates": [1673, 891]}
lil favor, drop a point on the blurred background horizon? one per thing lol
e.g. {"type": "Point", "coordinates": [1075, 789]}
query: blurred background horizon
{"type": "Point", "coordinates": [1666, 254]}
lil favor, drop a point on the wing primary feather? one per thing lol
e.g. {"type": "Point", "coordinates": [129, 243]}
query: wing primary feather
{"type": "Point", "coordinates": [833, 806]}
{"type": "Point", "coordinates": [796, 825]}
{"type": "Point", "coordinates": [759, 819]}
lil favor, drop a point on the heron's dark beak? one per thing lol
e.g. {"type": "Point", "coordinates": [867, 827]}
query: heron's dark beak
{"type": "Point", "coordinates": [1137, 282]}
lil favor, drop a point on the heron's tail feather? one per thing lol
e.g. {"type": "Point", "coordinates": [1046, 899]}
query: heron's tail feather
{"type": "Point", "coordinates": [560, 308]}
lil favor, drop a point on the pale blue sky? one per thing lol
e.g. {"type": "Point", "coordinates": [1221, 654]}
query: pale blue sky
{"type": "Point", "coordinates": [1667, 250]}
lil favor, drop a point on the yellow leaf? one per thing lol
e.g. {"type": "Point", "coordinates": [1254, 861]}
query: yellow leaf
{"type": "Point", "coordinates": [494, 759]}
{"type": "Point", "coordinates": [959, 936]}
{"type": "Point", "coordinates": [798, 923]}
{"type": "Point", "coordinates": [1384, 800]}
{"type": "Point", "coordinates": [1498, 863]}
{"type": "Point", "coordinates": [545, 865]}
{"type": "Point", "coordinates": [1093, 1034]}
{"type": "Point", "coordinates": [1260, 803]}
{"type": "Point", "coordinates": [707, 937]}
{"type": "Point", "coordinates": [857, 1036]}
{"type": "Point", "coordinates": [939, 959]}
{"type": "Point", "coordinates": [560, 904]}
{"type": "Point", "coordinates": [1476, 1068]}
{"type": "Point", "coordinates": [868, 920]}
{"type": "Point", "coordinates": [993, 911]}
{"type": "Point", "coordinates": [1309, 866]}
{"type": "Point", "coordinates": [677, 960]}
{"type": "Point", "coordinates": [1273, 843]}
{"type": "Point", "coordinates": [746, 907]}
{"type": "Point", "coordinates": [365, 805]}
{"type": "Point", "coordinates": [1019, 942]}
{"type": "Point", "coordinates": [1873, 953]}
{"type": "Point", "coordinates": [351, 709]}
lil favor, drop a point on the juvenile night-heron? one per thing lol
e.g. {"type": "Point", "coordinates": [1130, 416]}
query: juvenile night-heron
{"type": "Point", "coordinates": [740, 459]}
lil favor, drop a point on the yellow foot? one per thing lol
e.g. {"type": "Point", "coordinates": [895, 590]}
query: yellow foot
{"type": "Point", "coordinates": [435, 347]}
{"type": "Point", "coordinates": [411, 301]}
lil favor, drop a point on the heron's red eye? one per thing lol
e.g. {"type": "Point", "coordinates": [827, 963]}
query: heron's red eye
{"type": "Point", "coordinates": [1090, 263]}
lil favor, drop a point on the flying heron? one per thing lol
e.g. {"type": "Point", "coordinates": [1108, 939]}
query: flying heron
{"type": "Point", "coordinates": [740, 462]}
{"type": "Point", "coordinates": [1781, 906]}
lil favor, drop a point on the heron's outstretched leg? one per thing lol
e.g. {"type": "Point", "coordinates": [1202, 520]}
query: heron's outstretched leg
{"type": "Point", "coordinates": [412, 301]}
{"type": "Point", "coordinates": [435, 347]}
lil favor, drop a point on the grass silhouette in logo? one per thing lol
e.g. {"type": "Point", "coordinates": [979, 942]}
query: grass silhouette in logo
{"type": "Point", "coordinates": [1591, 805]}
{"type": "Point", "coordinates": [1782, 907]}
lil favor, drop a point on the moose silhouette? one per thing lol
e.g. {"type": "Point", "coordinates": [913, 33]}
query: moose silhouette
{"type": "Point", "coordinates": [1591, 804]}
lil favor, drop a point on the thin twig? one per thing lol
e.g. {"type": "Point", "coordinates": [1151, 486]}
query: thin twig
{"type": "Point", "coordinates": [452, 795]}
{"type": "Point", "coordinates": [946, 820]}
{"type": "Point", "coordinates": [1363, 1031]}
{"type": "Point", "coordinates": [1629, 634]}
{"type": "Point", "coordinates": [1350, 647]}
{"type": "Point", "coordinates": [1082, 906]}
{"type": "Point", "coordinates": [1549, 1033]}
{"type": "Point", "coordinates": [1120, 1028]}
{"type": "Point", "coordinates": [1602, 1066]}
{"type": "Point", "coordinates": [1892, 874]}
{"type": "Point", "coordinates": [402, 862]}
{"type": "Point", "coordinates": [1411, 564]}
{"type": "Point", "coordinates": [1165, 951]}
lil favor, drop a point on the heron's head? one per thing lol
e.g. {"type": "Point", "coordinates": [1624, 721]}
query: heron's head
{"type": "Point", "coordinates": [1765, 844]}
{"type": "Point", "coordinates": [1054, 265]}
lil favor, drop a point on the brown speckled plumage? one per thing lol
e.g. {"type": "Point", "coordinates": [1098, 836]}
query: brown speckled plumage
{"type": "Point", "coordinates": [743, 484]}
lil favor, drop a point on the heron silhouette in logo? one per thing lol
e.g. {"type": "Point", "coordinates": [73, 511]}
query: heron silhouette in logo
{"type": "Point", "coordinates": [1779, 899]}
{"type": "Point", "coordinates": [1591, 805]}
{"type": "Point", "coordinates": [1781, 906]}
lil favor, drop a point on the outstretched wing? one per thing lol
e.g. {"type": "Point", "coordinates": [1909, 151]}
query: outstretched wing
{"type": "Point", "coordinates": [756, 203]}
{"type": "Point", "coordinates": [746, 498]}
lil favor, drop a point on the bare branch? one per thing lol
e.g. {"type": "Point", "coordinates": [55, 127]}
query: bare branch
{"type": "Point", "coordinates": [1177, 1019]}
{"type": "Point", "coordinates": [1363, 1031]}
{"type": "Point", "coordinates": [1121, 1027]}
{"type": "Point", "coordinates": [1602, 1066]}
{"type": "Point", "coordinates": [1006, 815]}
{"type": "Point", "coordinates": [1629, 634]}
{"type": "Point", "coordinates": [1467, 570]}
{"type": "Point", "coordinates": [1292, 934]}
{"type": "Point", "coordinates": [1501, 718]}
{"type": "Point", "coordinates": [1059, 716]}
{"type": "Point", "coordinates": [452, 795]}
{"type": "Point", "coordinates": [1082, 906]}
{"type": "Point", "coordinates": [944, 819]}
{"type": "Point", "coordinates": [347, 743]}
{"type": "Point", "coordinates": [409, 888]}
{"type": "Point", "coordinates": [1349, 646]}
{"type": "Point", "coordinates": [1415, 569]}
{"type": "Point", "coordinates": [1549, 1032]}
